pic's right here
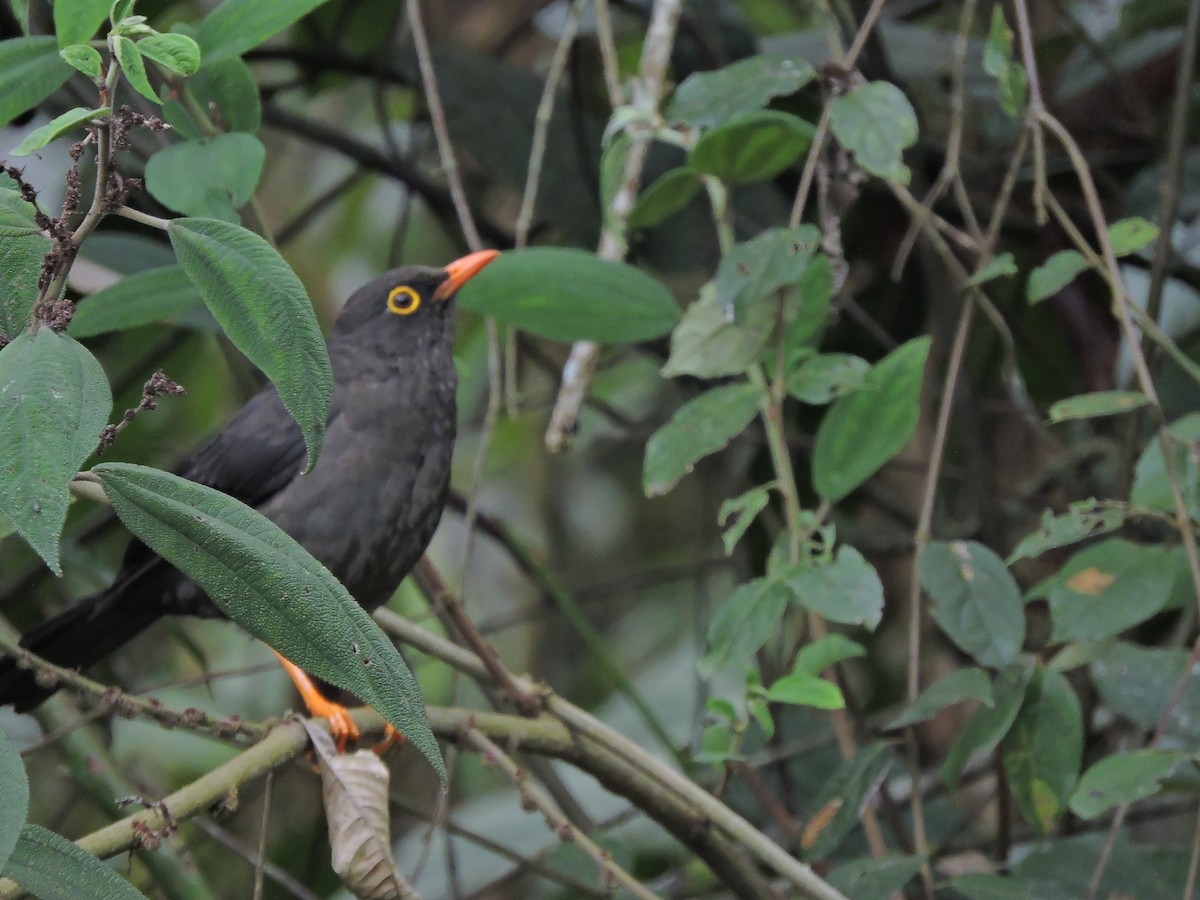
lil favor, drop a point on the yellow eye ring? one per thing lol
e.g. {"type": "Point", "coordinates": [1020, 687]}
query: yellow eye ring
{"type": "Point", "coordinates": [403, 300]}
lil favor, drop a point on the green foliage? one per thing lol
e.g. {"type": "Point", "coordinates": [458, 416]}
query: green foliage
{"type": "Point", "coordinates": [209, 177]}
{"type": "Point", "coordinates": [877, 124]}
{"type": "Point", "coordinates": [959, 685]}
{"type": "Point", "coordinates": [1054, 274]}
{"type": "Point", "coordinates": [60, 125]}
{"type": "Point", "coordinates": [177, 53]}
{"type": "Point", "coordinates": [76, 21]}
{"type": "Point", "coordinates": [751, 147]}
{"type": "Point", "coordinates": [84, 59]}
{"type": "Point", "coordinates": [988, 725]}
{"type": "Point", "coordinates": [854, 780]}
{"type": "Point", "coordinates": [154, 295]}
{"type": "Point", "coordinates": [271, 586]}
{"type": "Point", "coordinates": [263, 307]}
{"type": "Point", "coordinates": [1087, 518]}
{"type": "Point", "coordinates": [875, 878]}
{"type": "Point", "coordinates": [1100, 403]}
{"type": "Point", "coordinates": [976, 601]}
{"type": "Point", "coordinates": [865, 429]}
{"type": "Point", "coordinates": [744, 622]}
{"type": "Point", "coordinates": [666, 196]}
{"type": "Point", "coordinates": [998, 62]}
{"type": "Point", "coordinates": [569, 295]}
{"type": "Point", "coordinates": [51, 867]}
{"type": "Point", "coordinates": [741, 510]}
{"type": "Point", "coordinates": [843, 589]}
{"type": "Point", "coordinates": [1151, 485]}
{"type": "Point", "coordinates": [821, 378]}
{"type": "Point", "coordinates": [1123, 778]}
{"type": "Point", "coordinates": [236, 26]}
{"type": "Point", "coordinates": [705, 99]}
{"type": "Point", "coordinates": [30, 71]}
{"type": "Point", "coordinates": [130, 58]}
{"type": "Point", "coordinates": [14, 797]}
{"type": "Point", "coordinates": [53, 396]}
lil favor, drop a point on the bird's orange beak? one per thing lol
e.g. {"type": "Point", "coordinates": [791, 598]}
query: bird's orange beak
{"type": "Point", "coordinates": [463, 270]}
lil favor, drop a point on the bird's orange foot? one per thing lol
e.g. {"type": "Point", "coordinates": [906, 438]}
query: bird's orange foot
{"type": "Point", "coordinates": [341, 726]}
{"type": "Point", "coordinates": [391, 738]}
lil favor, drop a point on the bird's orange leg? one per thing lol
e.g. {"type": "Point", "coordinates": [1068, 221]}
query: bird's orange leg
{"type": "Point", "coordinates": [340, 724]}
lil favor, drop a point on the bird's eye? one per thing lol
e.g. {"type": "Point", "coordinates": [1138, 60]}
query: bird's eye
{"type": "Point", "coordinates": [403, 300]}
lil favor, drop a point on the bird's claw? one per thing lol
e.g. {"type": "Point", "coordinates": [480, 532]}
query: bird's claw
{"type": "Point", "coordinates": [391, 737]}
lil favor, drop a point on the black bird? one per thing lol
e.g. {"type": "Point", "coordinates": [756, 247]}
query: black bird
{"type": "Point", "coordinates": [368, 508]}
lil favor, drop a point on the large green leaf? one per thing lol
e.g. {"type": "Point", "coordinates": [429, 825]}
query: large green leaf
{"type": "Point", "coordinates": [706, 344]}
{"type": "Point", "coordinates": [1138, 683]}
{"type": "Point", "coordinates": [670, 193]}
{"type": "Point", "coordinates": [976, 601]}
{"type": "Point", "coordinates": [875, 878]}
{"type": "Point", "coordinates": [959, 685]}
{"type": "Point", "coordinates": [1151, 487]}
{"type": "Point", "coordinates": [176, 52]}
{"type": "Point", "coordinates": [706, 98]}
{"type": "Point", "coordinates": [988, 725]}
{"type": "Point", "coordinates": [1108, 587]}
{"type": "Point", "coordinates": [1087, 518]}
{"type": "Point", "coordinates": [754, 270]}
{"type": "Point", "coordinates": [227, 90]}
{"type": "Point", "coordinates": [134, 67]}
{"type": "Point", "coordinates": [211, 177]}
{"type": "Point", "coordinates": [1123, 778]}
{"type": "Point", "coordinates": [751, 147]}
{"type": "Point", "coordinates": [76, 21]}
{"type": "Point", "coordinates": [54, 402]}
{"type": "Point", "coordinates": [236, 26]}
{"type": "Point", "coordinates": [271, 586]}
{"type": "Point", "coordinates": [701, 426]}
{"type": "Point", "coordinates": [865, 429]}
{"type": "Point", "coordinates": [571, 295]}
{"type": "Point", "coordinates": [823, 377]}
{"type": "Point", "coordinates": [876, 123]}
{"type": "Point", "coordinates": [1044, 749]}
{"type": "Point", "coordinates": [257, 298]}
{"type": "Point", "coordinates": [22, 250]}
{"type": "Point", "coordinates": [60, 125]}
{"type": "Point", "coordinates": [30, 71]}
{"type": "Point", "coordinates": [149, 296]}
{"type": "Point", "coordinates": [14, 797]}
{"type": "Point", "coordinates": [846, 590]}
{"type": "Point", "coordinates": [750, 616]}
{"type": "Point", "coordinates": [52, 868]}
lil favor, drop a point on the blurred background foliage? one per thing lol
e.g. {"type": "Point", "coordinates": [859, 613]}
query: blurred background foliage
{"type": "Point", "coordinates": [353, 185]}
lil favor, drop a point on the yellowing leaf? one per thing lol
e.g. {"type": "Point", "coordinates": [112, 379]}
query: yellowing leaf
{"type": "Point", "coordinates": [1090, 581]}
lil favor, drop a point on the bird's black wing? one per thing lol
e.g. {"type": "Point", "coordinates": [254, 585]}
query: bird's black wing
{"type": "Point", "coordinates": [256, 455]}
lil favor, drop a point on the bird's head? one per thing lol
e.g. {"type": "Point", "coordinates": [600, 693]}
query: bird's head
{"type": "Point", "coordinates": [410, 299]}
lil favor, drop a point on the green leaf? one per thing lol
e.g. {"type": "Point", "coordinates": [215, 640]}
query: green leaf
{"type": "Point", "coordinates": [261, 304]}
{"type": "Point", "coordinates": [271, 586]}
{"type": "Point", "coordinates": [1087, 518]}
{"type": "Point", "coordinates": [1044, 749]}
{"type": "Point", "coordinates": [846, 590]}
{"type": "Point", "coordinates": [851, 786]}
{"type": "Point", "coordinates": [14, 797]}
{"type": "Point", "coordinates": [84, 59]}
{"type": "Point", "coordinates": [1098, 403]}
{"type": "Point", "coordinates": [1054, 274]}
{"type": "Point", "coordinates": [805, 324]}
{"type": "Point", "coordinates": [830, 650]}
{"type": "Point", "coordinates": [998, 62]}
{"type": "Point", "coordinates": [53, 868]}
{"type": "Point", "coordinates": [670, 193]}
{"type": "Point", "coordinates": [707, 344]}
{"type": "Point", "coordinates": [1138, 683]}
{"type": "Point", "coordinates": [30, 71]}
{"type": "Point", "coordinates": [742, 509]}
{"type": "Point", "coordinates": [210, 177]}
{"type": "Point", "coordinates": [236, 26]}
{"type": "Point", "coordinates": [865, 429]}
{"type": "Point", "coordinates": [22, 250]}
{"type": "Point", "coordinates": [997, 267]}
{"type": "Point", "coordinates": [1131, 235]}
{"type": "Point", "coordinates": [750, 615]}
{"type": "Point", "coordinates": [751, 147]}
{"type": "Point", "coordinates": [76, 21]}
{"type": "Point", "coordinates": [176, 52]}
{"type": "Point", "coordinates": [876, 123]}
{"type": "Point", "coordinates": [754, 270]}
{"type": "Point", "coordinates": [706, 98]}
{"type": "Point", "coordinates": [824, 377]}
{"type": "Point", "coordinates": [152, 295]}
{"type": "Point", "coordinates": [1152, 488]}
{"type": "Point", "coordinates": [959, 685]}
{"type": "Point", "coordinates": [60, 125]}
{"type": "Point", "coordinates": [875, 878]}
{"type": "Point", "coordinates": [571, 295]}
{"type": "Point", "coordinates": [120, 11]}
{"type": "Point", "coordinates": [1108, 587]}
{"type": "Point", "coordinates": [988, 725]}
{"type": "Point", "coordinates": [802, 689]}
{"type": "Point", "coordinates": [228, 91]}
{"type": "Point", "coordinates": [53, 396]}
{"type": "Point", "coordinates": [701, 426]}
{"type": "Point", "coordinates": [130, 59]}
{"type": "Point", "coordinates": [1123, 778]}
{"type": "Point", "coordinates": [976, 601]}
{"type": "Point", "coordinates": [612, 169]}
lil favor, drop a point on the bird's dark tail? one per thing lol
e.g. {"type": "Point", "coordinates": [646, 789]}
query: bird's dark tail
{"type": "Point", "coordinates": [76, 638]}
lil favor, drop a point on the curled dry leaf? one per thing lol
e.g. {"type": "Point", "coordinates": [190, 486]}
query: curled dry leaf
{"type": "Point", "coordinates": [355, 790]}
